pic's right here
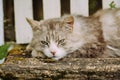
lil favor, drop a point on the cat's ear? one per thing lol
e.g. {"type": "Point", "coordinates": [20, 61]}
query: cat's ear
{"type": "Point", "coordinates": [69, 20]}
{"type": "Point", "coordinates": [33, 23]}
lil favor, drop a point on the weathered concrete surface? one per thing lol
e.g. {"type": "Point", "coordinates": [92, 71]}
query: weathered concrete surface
{"type": "Point", "coordinates": [68, 69]}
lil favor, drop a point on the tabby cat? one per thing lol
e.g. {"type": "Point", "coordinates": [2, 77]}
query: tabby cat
{"type": "Point", "coordinates": [76, 36]}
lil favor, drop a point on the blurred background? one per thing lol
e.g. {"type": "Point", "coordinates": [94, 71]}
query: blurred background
{"type": "Point", "coordinates": [12, 12]}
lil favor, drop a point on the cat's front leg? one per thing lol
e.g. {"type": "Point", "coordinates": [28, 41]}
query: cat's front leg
{"type": "Point", "coordinates": [37, 54]}
{"type": "Point", "coordinates": [34, 53]}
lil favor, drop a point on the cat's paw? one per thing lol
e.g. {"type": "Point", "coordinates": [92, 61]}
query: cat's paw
{"type": "Point", "coordinates": [28, 48]}
{"type": "Point", "coordinates": [37, 54]}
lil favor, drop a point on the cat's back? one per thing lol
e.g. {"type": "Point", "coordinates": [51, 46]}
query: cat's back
{"type": "Point", "coordinates": [109, 11]}
{"type": "Point", "coordinates": [110, 20]}
{"type": "Point", "coordinates": [89, 28]}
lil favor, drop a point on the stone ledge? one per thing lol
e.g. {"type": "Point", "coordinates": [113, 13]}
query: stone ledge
{"type": "Point", "coordinates": [67, 69]}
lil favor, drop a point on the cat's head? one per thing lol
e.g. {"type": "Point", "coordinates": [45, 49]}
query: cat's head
{"type": "Point", "coordinates": [51, 36]}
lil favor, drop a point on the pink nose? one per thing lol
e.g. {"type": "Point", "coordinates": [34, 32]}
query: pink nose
{"type": "Point", "coordinates": [53, 52]}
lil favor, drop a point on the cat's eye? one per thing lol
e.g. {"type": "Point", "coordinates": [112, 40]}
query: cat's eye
{"type": "Point", "coordinates": [44, 43]}
{"type": "Point", "coordinates": [62, 41]}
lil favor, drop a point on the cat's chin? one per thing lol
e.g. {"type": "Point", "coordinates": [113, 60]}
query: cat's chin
{"type": "Point", "coordinates": [57, 58]}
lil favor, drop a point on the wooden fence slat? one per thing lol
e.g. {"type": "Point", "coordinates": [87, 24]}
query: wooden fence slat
{"type": "Point", "coordinates": [1, 23]}
{"type": "Point", "coordinates": [107, 2]}
{"type": "Point", "coordinates": [51, 8]}
{"type": "Point", "coordinates": [79, 7]}
{"type": "Point", "coordinates": [23, 9]}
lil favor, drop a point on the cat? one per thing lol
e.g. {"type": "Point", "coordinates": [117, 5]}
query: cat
{"type": "Point", "coordinates": [68, 36]}
{"type": "Point", "coordinates": [110, 21]}
{"type": "Point", "coordinates": [49, 37]}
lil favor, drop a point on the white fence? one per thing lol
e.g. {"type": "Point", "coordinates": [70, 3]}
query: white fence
{"type": "Point", "coordinates": [1, 23]}
{"type": "Point", "coordinates": [51, 8]}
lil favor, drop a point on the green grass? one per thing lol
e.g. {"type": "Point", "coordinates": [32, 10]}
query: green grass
{"type": "Point", "coordinates": [4, 51]}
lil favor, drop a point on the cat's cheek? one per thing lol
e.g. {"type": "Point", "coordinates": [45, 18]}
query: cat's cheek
{"type": "Point", "coordinates": [47, 52]}
{"type": "Point", "coordinates": [61, 53]}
